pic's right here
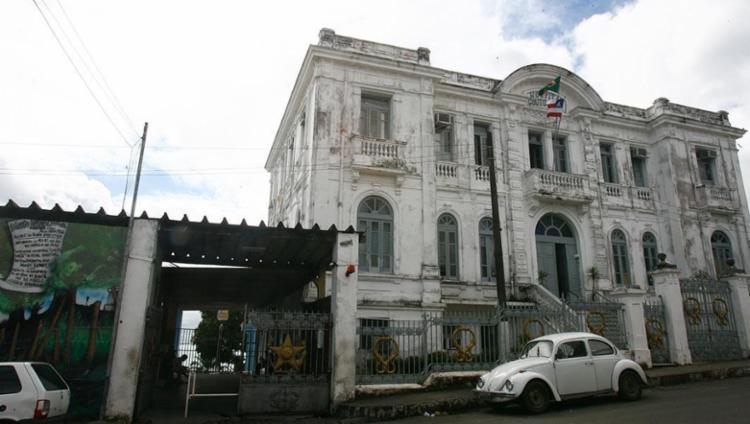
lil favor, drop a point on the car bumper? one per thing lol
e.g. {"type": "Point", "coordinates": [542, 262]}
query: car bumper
{"type": "Point", "coordinates": [495, 397]}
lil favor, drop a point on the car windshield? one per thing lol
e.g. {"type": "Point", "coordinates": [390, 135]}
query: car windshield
{"type": "Point", "coordinates": [538, 349]}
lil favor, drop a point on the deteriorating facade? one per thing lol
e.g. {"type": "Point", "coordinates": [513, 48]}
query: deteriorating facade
{"type": "Point", "coordinates": [375, 137]}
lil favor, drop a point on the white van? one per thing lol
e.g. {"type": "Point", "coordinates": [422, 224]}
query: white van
{"type": "Point", "coordinates": [32, 391]}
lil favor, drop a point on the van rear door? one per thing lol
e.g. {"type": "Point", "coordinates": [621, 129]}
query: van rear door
{"type": "Point", "coordinates": [57, 391]}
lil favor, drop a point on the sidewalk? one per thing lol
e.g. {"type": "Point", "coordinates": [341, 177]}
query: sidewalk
{"type": "Point", "coordinates": [413, 403]}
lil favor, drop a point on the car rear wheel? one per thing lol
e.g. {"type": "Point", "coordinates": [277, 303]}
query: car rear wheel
{"type": "Point", "coordinates": [630, 386]}
{"type": "Point", "coordinates": [536, 397]}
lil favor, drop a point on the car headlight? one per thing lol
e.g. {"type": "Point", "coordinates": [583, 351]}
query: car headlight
{"type": "Point", "coordinates": [480, 383]}
{"type": "Point", "coordinates": [508, 385]}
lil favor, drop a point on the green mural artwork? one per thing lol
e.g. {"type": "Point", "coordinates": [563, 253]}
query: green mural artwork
{"type": "Point", "coordinates": [58, 282]}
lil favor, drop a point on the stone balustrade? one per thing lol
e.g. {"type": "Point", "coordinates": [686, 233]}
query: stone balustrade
{"type": "Point", "coordinates": [719, 198]}
{"type": "Point", "coordinates": [560, 185]}
{"type": "Point", "coordinates": [447, 170]}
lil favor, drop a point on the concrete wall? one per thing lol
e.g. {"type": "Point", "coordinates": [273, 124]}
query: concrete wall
{"type": "Point", "coordinates": [133, 301]}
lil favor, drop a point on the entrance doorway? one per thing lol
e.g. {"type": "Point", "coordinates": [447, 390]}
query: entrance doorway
{"type": "Point", "coordinates": [557, 256]}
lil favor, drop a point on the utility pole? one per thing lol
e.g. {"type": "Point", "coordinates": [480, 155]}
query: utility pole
{"type": "Point", "coordinates": [125, 257]}
{"type": "Point", "coordinates": [137, 180]}
{"type": "Point", "coordinates": [496, 230]}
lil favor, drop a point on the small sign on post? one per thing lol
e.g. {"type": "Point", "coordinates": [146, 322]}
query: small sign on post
{"type": "Point", "coordinates": [222, 314]}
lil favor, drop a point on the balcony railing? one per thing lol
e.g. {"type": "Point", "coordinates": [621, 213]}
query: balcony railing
{"type": "Point", "coordinates": [448, 170]}
{"type": "Point", "coordinates": [379, 155]}
{"type": "Point", "coordinates": [717, 198]}
{"type": "Point", "coordinates": [481, 173]}
{"type": "Point", "coordinates": [628, 197]}
{"type": "Point", "coordinates": [559, 185]}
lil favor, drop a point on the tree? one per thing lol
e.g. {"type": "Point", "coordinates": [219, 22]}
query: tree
{"type": "Point", "coordinates": [207, 336]}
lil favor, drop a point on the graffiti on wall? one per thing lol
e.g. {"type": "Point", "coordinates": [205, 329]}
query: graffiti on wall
{"type": "Point", "coordinates": [58, 284]}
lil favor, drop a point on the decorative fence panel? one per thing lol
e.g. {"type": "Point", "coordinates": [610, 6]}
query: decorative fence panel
{"type": "Point", "coordinates": [407, 351]}
{"type": "Point", "coordinates": [656, 330]}
{"type": "Point", "coordinates": [605, 318]}
{"type": "Point", "coordinates": [712, 334]}
{"type": "Point", "coordinates": [288, 344]}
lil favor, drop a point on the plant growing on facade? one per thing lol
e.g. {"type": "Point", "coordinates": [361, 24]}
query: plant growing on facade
{"type": "Point", "coordinates": [542, 277]}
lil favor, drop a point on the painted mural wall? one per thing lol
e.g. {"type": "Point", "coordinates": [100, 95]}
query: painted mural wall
{"type": "Point", "coordinates": [58, 282]}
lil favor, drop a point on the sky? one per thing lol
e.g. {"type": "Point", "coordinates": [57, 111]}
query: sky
{"type": "Point", "coordinates": [212, 78]}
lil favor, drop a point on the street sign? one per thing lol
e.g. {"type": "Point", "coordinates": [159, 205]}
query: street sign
{"type": "Point", "coordinates": [222, 314]}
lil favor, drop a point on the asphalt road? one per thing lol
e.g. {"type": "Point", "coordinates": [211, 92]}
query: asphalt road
{"type": "Point", "coordinates": [723, 401]}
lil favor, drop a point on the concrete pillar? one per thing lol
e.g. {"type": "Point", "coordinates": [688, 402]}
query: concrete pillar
{"type": "Point", "coordinates": [344, 316]}
{"type": "Point", "coordinates": [738, 285]}
{"type": "Point", "coordinates": [635, 324]}
{"type": "Point", "coordinates": [133, 301]}
{"type": "Point", "coordinates": [667, 285]}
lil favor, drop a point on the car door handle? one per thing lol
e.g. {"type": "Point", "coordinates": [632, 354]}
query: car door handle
{"type": "Point", "coordinates": [589, 363]}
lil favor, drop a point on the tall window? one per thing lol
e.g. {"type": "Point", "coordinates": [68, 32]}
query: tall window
{"type": "Point", "coordinates": [486, 250]}
{"type": "Point", "coordinates": [375, 117]}
{"type": "Point", "coordinates": [721, 248]}
{"type": "Point", "coordinates": [448, 246]}
{"type": "Point", "coordinates": [375, 219]}
{"type": "Point", "coordinates": [649, 254]}
{"type": "Point", "coordinates": [706, 165]}
{"type": "Point", "coordinates": [638, 158]}
{"type": "Point", "coordinates": [609, 172]}
{"type": "Point", "coordinates": [536, 151]}
{"type": "Point", "coordinates": [560, 154]}
{"type": "Point", "coordinates": [620, 258]}
{"type": "Point", "coordinates": [481, 139]}
{"type": "Point", "coordinates": [444, 137]}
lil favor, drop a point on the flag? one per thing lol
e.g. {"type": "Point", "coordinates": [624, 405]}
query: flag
{"type": "Point", "coordinates": [555, 107]}
{"type": "Point", "coordinates": [553, 86]}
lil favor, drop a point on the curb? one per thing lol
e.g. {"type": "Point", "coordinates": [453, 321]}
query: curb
{"type": "Point", "coordinates": [696, 376]}
{"type": "Point", "coordinates": [353, 413]}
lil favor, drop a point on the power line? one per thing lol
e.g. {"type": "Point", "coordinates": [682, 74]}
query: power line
{"type": "Point", "coordinates": [107, 89]}
{"type": "Point", "coordinates": [80, 75]}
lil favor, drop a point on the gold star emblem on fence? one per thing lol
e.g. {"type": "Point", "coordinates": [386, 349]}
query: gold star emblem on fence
{"type": "Point", "coordinates": [288, 354]}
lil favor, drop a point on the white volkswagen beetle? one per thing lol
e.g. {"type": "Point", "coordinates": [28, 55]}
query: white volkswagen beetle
{"type": "Point", "coordinates": [563, 366]}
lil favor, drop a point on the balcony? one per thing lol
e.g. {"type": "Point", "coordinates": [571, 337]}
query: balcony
{"type": "Point", "coordinates": [717, 199]}
{"type": "Point", "coordinates": [620, 196]}
{"type": "Point", "coordinates": [446, 173]}
{"type": "Point", "coordinates": [377, 156]}
{"type": "Point", "coordinates": [558, 186]}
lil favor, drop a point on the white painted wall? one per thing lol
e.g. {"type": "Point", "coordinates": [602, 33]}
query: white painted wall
{"type": "Point", "coordinates": [336, 81]}
{"type": "Point", "coordinates": [134, 298]}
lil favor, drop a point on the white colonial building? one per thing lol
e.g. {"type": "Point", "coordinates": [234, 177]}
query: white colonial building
{"type": "Point", "coordinates": [376, 138]}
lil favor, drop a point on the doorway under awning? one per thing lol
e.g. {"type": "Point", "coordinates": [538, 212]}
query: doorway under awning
{"type": "Point", "coordinates": [240, 264]}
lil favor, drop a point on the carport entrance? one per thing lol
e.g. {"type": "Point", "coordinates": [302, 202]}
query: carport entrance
{"type": "Point", "coordinates": [256, 271]}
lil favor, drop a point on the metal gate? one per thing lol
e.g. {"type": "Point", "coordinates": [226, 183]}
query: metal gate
{"type": "Point", "coordinates": [712, 334]}
{"type": "Point", "coordinates": [287, 358]}
{"type": "Point", "coordinates": [656, 329]}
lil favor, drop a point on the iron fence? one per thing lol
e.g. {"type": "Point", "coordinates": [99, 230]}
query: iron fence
{"type": "Point", "coordinates": [711, 330]}
{"type": "Point", "coordinates": [656, 329]}
{"type": "Point", "coordinates": [287, 346]}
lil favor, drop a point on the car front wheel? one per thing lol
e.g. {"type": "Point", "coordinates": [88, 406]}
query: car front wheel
{"type": "Point", "coordinates": [536, 397]}
{"type": "Point", "coordinates": [630, 386]}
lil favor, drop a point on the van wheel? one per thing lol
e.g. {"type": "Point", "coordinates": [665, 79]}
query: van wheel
{"type": "Point", "coordinates": [536, 397]}
{"type": "Point", "coordinates": [630, 386]}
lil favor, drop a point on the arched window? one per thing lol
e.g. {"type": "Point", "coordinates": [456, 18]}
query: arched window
{"type": "Point", "coordinates": [375, 219]}
{"type": "Point", "coordinates": [721, 248]}
{"type": "Point", "coordinates": [486, 250]}
{"type": "Point", "coordinates": [554, 226]}
{"type": "Point", "coordinates": [620, 258]}
{"type": "Point", "coordinates": [448, 246]}
{"type": "Point", "coordinates": [649, 254]}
